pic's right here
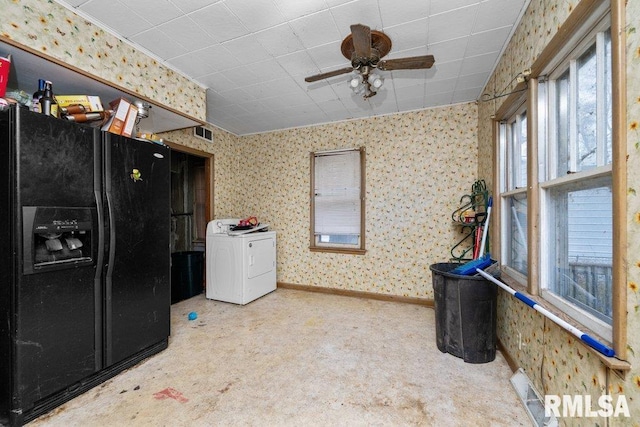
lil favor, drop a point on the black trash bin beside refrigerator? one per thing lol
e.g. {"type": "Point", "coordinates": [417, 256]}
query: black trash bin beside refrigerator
{"type": "Point", "coordinates": [84, 259]}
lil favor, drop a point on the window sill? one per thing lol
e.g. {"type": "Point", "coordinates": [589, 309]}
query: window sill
{"type": "Point", "coordinates": [613, 363]}
{"type": "Point", "coordinates": [348, 251]}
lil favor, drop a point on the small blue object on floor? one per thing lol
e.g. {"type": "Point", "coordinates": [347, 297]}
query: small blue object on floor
{"type": "Point", "coordinates": [193, 315]}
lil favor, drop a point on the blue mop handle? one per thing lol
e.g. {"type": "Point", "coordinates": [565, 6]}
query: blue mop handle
{"type": "Point", "coordinates": [607, 351]}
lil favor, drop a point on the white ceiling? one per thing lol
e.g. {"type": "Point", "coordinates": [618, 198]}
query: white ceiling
{"type": "Point", "coordinates": [253, 55]}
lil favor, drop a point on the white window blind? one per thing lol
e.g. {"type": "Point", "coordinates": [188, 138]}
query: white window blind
{"type": "Point", "coordinates": [337, 193]}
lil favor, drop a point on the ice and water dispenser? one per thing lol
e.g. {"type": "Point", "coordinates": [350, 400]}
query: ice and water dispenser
{"type": "Point", "coordinates": [56, 238]}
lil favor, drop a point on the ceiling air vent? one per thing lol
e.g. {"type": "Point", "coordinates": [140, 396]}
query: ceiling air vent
{"type": "Point", "coordinates": [202, 132]}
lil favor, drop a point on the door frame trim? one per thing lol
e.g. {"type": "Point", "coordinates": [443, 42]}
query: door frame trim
{"type": "Point", "coordinates": [208, 170]}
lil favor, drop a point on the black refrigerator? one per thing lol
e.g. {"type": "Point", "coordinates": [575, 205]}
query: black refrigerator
{"type": "Point", "coordinates": [84, 259]}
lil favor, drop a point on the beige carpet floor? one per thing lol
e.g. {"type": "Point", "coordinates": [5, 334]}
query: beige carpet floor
{"type": "Point", "coordinates": [295, 358]}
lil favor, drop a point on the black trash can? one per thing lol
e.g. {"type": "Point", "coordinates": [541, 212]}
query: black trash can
{"type": "Point", "coordinates": [187, 270]}
{"type": "Point", "coordinates": [466, 313]}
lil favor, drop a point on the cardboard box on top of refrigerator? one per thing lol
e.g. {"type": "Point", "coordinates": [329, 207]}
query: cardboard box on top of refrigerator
{"type": "Point", "coordinates": [5, 66]}
{"type": "Point", "coordinates": [120, 109]}
{"type": "Point", "coordinates": [130, 122]}
{"type": "Point", "coordinates": [91, 104]}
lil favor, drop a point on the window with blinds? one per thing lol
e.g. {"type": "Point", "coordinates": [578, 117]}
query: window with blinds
{"type": "Point", "coordinates": [337, 200]}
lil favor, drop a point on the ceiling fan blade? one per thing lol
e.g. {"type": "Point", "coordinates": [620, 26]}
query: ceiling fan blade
{"type": "Point", "coordinates": [361, 40]}
{"type": "Point", "coordinates": [328, 74]}
{"type": "Point", "coordinates": [409, 63]}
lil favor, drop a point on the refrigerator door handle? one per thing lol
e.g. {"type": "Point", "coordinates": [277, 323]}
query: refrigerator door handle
{"type": "Point", "coordinates": [108, 284]}
{"type": "Point", "coordinates": [112, 240]}
{"type": "Point", "coordinates": [97, 285]}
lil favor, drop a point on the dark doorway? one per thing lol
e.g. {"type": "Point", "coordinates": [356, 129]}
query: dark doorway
{"type": "Point", "coordinates": [188, 202]}
{"type": "Point", "coordinates": [189, 216]}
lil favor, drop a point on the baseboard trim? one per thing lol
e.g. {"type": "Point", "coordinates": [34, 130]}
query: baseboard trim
{"type": "Point", "coordinates": [507, 356]}
{"type": "Point", "coordinates": [358, 294]}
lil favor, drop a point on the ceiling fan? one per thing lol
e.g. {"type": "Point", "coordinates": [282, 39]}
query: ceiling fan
{"type": "Point", "coordinates": [365, 48]}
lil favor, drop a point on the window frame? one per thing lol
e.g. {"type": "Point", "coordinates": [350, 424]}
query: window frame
{"type": "Point", "coordinates": [589, 179]}
{"type": "Point", "coordinates": [576, 176]}
{"type": "Point", "coordinates": [507, 181]}
{"type": "Point", "coordinates": [314, 244]}
{"type": "Point", "coordinates": [586, 13]}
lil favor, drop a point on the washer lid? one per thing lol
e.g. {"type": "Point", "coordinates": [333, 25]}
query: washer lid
{"type": "Point", "coordinates": [250, 230]}
{"type": "Point", "coordinates": [218, 226]}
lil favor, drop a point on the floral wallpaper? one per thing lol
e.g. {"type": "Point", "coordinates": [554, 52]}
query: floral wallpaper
{"type": "Point", "coordinates": [53, 30]}
{"type": "Point", "coordinates": [553, 359]}
{"type": "Point", "coordinates": [418, 165]}
{"type": "Point", "coordinates": [630, 386]}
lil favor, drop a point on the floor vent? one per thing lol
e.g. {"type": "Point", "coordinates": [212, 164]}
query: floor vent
{"type": "Point", "coordinates": [202, 132]}
{"type": "Point", "coordinates": [531, 400]}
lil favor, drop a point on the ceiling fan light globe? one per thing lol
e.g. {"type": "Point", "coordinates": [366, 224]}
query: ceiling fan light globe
{"type": "Point", "coordinates": [355, 82]}
{"type": "Point", "coordinates": [375, 81]}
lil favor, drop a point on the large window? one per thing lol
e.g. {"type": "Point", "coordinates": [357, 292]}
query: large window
{"type": "Point", "coordinates": [576, 186]}
{"type": "Point", "coordinates": [337, 200]}
{"type": "Point", "coordinates": [569, 198]}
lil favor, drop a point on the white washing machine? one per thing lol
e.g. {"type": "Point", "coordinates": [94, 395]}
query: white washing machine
{"type": "Point", "coordinates": [241, 266]}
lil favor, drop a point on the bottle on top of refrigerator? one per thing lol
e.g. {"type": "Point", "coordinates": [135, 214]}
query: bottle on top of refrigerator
{"type": "Point", "coordinates": [35, 105]}
{"type": "Point", "coordinates": [48, 105]}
